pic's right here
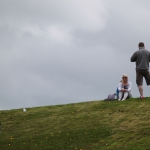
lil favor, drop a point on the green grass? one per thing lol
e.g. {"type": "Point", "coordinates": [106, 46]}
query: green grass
{"type": "Point", "coordinates": [96, 125]}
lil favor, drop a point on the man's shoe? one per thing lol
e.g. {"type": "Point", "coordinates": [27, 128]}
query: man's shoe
{"type": "Point", "coordinates": [141, 97]}
{"type": "Point", "coordinates": [119, 99]}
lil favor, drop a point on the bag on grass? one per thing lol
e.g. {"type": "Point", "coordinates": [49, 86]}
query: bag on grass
{"type": "Point", "coordinates": [110, 97]}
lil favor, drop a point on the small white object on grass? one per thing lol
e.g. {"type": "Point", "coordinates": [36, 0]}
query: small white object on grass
{"type": "Point", "coordinates": [24, 110]}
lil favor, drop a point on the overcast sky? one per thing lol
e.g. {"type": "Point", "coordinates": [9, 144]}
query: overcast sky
{"type": "Point", "coordinates": [67, 51]}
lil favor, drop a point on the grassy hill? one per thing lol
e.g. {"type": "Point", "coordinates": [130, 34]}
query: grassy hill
{"type": "Point", "coordinates": [96, 125]}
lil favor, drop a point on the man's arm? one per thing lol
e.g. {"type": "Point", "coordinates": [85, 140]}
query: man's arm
{"type": "Point", "coordinates": [133, 58]}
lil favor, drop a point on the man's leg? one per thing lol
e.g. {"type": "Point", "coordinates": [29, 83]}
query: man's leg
{"type": "Point", "coordinates": [140, 87]}
{"type": "Point", "coordinates": [139, 82]}
{"type": "Point", "coordinates": [147, 77]}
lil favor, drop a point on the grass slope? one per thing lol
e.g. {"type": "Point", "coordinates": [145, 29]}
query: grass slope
{"type": "Point", "coordinates": [83, 126]}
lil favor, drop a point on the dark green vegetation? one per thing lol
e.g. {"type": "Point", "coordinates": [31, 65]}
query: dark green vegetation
{"type": "Point", "coordinates": [96, 125]}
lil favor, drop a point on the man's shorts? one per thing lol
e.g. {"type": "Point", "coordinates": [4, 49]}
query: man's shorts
{"type": "Point", "coordinates": [139, 77]}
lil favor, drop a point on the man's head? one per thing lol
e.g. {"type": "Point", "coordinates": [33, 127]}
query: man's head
{"type": "Point", "coordinates": [141, 44]}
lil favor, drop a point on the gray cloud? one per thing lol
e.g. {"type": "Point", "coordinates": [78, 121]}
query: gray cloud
{"type": "Point", "coordinates": [55, 52]}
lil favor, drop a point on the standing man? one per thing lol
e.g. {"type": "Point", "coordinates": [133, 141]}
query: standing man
{"type": "Point", "coordinates": [142, 59]}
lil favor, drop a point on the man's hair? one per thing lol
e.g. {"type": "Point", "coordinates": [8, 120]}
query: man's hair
{"type": "Point", "coordinates": [141, 44]}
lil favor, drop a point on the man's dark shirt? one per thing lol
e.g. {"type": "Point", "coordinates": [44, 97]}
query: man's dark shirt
{"type": "Point", "coordinates": [142, 59]}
